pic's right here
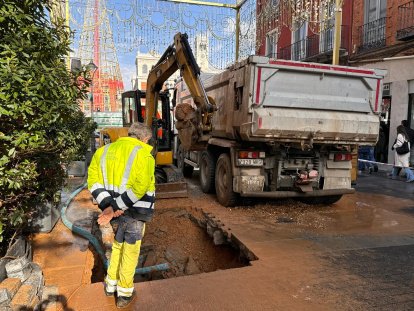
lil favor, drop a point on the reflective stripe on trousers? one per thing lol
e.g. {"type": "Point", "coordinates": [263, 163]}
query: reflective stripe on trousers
{"type": "Point", "coordinates": [124, 259]}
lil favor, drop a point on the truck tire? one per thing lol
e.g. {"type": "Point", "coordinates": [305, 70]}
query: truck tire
{"type": "Point", "coordinates": [185, 168]}
{"type": "Point", "coordinates": [207, 171]}
{"type": "Point", "coordinates": [327, 200]}
{"type": "Point", "coordinates": [224, 182]}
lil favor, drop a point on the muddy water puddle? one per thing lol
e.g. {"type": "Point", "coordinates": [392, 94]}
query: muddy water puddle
{"type": "Point", "coordinates": [190, 241]}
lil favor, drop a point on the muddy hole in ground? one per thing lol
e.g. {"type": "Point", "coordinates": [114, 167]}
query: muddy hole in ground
{"type": "Point", "coordinates": [191, 241]}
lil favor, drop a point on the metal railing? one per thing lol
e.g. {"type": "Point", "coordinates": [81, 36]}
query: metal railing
{"type": "Point", "coordinates": [324, 42]}
{"type": "Point", "coordinates": [295, 51]}
{"type": "Point", "coordinates": [405, 21]}
{"type": "Point", "coordinates": [314, 45]}
{"type": "Point", "coordinates": [272, 55]}
{"type": "Point", "coordinates": [371, 35]}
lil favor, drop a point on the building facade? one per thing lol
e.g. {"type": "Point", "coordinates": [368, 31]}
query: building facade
{"type": "Point", "coordinates": [374, 34]}
{"type": "Point", "coordinates": [307, 42]}
{"type": "Point", "coordinates": [383, 37]}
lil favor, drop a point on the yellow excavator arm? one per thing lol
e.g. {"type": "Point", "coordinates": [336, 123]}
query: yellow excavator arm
{"type": "Point", "coordinates": [179, 56]}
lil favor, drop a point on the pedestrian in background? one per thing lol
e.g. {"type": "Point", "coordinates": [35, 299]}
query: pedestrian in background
{"type": "Point", "coordinates": [410, 133]}
{"type": "Point", "coordinates": [367, 153]}
{"type": "Point", "coordinates": [401, 160]}
{"type": "Point", "coordinates": [121, 179]}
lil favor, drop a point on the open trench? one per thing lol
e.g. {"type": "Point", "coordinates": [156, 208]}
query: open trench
{"type": "Point", "coordinates": [190, 240]}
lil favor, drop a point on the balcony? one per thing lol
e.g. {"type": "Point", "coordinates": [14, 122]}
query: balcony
{"type": "Point", "coordinates": [405, 30]}
{"type": "Point", "coordinates": [295, 51]}
{"type": "Point", "coordinates": [316, 47]}
{"type": "Point", "coordinates": [371, 36]}
{"type": "Point", "coordinates": [320, 47]}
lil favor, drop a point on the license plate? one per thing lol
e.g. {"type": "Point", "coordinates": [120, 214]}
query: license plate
{"type": "Point", "coordinates": [249, 162]}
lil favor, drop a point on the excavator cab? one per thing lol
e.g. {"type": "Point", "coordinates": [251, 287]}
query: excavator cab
{"type": "Point", "coordinates": [133, 110]}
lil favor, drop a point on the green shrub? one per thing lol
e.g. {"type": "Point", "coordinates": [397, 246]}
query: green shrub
{"type": "Point", "coordinates": [41, 126]}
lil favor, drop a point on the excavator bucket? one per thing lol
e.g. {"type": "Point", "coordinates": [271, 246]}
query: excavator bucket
{"type": "Point", "coordinates": [169, 182]}
{"type": "Point", "coordinates": [171, 190]}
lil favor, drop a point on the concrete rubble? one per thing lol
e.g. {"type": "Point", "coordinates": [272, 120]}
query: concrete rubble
{"type": "Point", "coordinates": [23, 287]}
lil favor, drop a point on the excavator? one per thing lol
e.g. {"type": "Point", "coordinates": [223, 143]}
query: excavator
{"type": "Point", "coordinates": [153, 108]}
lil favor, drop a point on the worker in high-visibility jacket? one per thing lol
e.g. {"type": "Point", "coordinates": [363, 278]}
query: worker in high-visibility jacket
{"type": "Point", "coordinates": [121, 179]}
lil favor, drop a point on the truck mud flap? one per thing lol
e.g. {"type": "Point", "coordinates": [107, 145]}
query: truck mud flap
{"type": "Point", "coordinates": [294, 194]}
{"type": "Point", "coordinates": [171, 190]}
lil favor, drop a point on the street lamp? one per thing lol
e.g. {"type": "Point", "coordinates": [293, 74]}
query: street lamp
{"type": "Point", "coordinates": [92, 68]}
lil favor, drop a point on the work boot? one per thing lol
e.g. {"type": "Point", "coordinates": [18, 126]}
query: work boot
{"type": "Point", "coordinates": [371, 170]}
{"type": "Point", "coordinates": [107, 293]}
{"type": "Point", "coordinates": [123, 301]}
{"type": "Point", "coordinates": [376, 169]}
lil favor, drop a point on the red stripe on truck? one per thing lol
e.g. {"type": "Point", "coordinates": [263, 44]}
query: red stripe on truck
{"type": "Point", "coordinates": [324, 67]}
{"type": "Point", "coordinates": [377, 94]}
{"type": "Point", "coordinates": [259, 76]}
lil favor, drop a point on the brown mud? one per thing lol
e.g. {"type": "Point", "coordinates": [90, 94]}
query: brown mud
{"type": "Point", "coordinates": [182, 237]}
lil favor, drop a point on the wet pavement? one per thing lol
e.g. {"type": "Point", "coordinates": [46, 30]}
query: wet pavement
{"type": "Point", "coordinates": [379, 183]}
{"type": "Point", "coordinates": [357, 254]}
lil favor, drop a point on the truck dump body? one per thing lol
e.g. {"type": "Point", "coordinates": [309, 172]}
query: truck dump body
{"type": "Point", "coordinates": [293, 101]}
{"type": "Point", "coordinates": [285, 129]}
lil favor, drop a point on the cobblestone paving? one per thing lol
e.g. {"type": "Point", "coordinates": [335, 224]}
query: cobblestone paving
{"type": "Point", "coordinates": [374, 279]}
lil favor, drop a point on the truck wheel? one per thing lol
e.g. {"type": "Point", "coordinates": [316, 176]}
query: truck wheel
{"type": "Point", "coordinates": [224, 182]}
{"type": "Point", "coordinates": [207, 171]}
{"type": "Point", "coordinates": [327, 200]}
{"type": "Point", "coordinates": [185, 168]}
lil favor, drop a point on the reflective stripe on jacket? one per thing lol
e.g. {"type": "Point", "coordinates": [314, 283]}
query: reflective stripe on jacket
{"type": "Point", "coordinates": [121, 174]}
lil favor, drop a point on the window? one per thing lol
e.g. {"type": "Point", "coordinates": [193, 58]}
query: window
{"type": "Point", "coordinates": [107, 108]}
{"type": "Point", "coordinates": [271, 45]}
{"type": "Point", "coordinates": [144, 69]}
{"type": "Point", "coordinates": [326, 38]}
{"type": "Point", "coordinates": [374, 22]}
{"type": "Point", "coordinates": [374, 9]}
{"type": "Point", "coordinates": [106, 99]}
{"type": "Point", "coordinates": [411, 110]}
{"type": "Point", "coordinates": [128, 104]}
{"type": "Point", "coordinates": [86, 107]}
{"type": "Point", "coordinates": [299, 42]}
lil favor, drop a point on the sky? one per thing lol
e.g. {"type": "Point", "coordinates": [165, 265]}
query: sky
{"type": "Point", "coordinates": [127, 67]}
{"type": "Point", "coordinates": [124, 9]}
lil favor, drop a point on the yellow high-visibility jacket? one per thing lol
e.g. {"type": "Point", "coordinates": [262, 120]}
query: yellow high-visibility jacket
{"type": "Point", "coordinates": [121, 174]}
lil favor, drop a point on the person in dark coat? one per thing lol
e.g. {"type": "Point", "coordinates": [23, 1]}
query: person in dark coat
{"type": "Point", "coordinates": [380, 147]}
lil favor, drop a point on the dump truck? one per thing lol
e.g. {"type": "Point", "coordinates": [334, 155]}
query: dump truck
{"type": "Point", "coordinates": [280, 129]}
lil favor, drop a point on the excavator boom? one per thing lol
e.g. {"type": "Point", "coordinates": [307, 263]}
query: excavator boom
{"type": "Point", "coordinates": [179, 56]}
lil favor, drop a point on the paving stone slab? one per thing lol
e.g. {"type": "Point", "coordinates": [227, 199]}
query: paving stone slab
{"type": "Point", "coordinates": [49, 297]}
{"type": "Point", "coordinates": [8, 288]}
{"type": "Point", "coordinates": [23, 297]}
